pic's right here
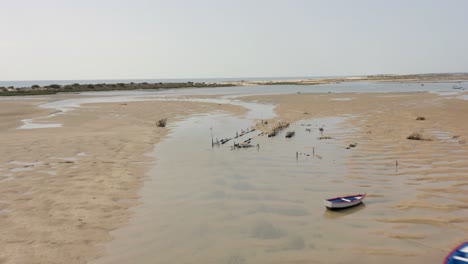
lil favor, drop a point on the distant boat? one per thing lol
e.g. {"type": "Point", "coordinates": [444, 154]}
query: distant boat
{"type": "Point", "coordinates": [290, 134]}
{"type": "Point", "coordinates": [345, 201]}
{"type": "Point", "coordinates": [456, 87]}
{"type": "Point", "coordinates": [459, 255]}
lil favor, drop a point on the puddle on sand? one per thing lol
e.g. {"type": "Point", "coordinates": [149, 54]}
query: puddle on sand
{"type": "Point", "coordinates": [30, 124]}
{"type": "Point", "coordinates": [21, 169]}
{"type": "Point", "coordinates": [342, 99]}
{"type": "Point", "coordinates": [213, 205]}
{"type": "Point", "coordinates": [230, 94]}
{"type": "Point", "coordinates": [23, 163]}
{"type": "Point", "coordinates": [261, 111]}
{"type": "Point", "coordinates": [443, 136]}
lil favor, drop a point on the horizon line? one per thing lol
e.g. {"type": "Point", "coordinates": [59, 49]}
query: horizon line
{"type": "Point", "coordinates": [246, 77]}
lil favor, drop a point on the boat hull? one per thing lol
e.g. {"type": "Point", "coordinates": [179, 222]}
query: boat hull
{"type": "Point", "coordinates": [344, 202]}
{"type": "Point", "coordinates": [459, 255]}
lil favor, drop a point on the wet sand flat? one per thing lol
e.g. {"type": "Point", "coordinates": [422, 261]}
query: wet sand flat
{"type": "Point", "coordinates": [422, 202]}
{"type": "Point", "coordinates": [265, 205]}
{"type": "Point", "coordinates": [65, 191]}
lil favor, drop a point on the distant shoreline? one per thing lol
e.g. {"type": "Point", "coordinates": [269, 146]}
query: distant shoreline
{"type": "Point", "coordinates": [436, 77]}
{"type": "Point", "coordinates": [77, 87]}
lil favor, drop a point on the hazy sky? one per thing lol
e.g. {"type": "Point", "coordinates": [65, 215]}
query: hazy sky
{"type": "Point", "coordinates": [109, 39]}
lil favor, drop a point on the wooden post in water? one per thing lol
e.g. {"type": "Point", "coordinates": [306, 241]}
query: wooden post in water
{"type": "Point", "coordinates": [212, 142]}
{"type": "Point", "coordinates": [396, 166]}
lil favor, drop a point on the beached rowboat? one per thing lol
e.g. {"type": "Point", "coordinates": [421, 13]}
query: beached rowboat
{"type": "Point", "coordinates": [459, 255]}
{"type": "Point", "coordinates": [344, 202]}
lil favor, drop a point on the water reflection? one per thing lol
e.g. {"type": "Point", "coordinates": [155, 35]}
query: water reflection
{"type": "Point", "coordinates": [215, 205]}
{"type": "Point", "coordinates": [211, 200]}
{"type": "Point", "coordinates": [334, 214]}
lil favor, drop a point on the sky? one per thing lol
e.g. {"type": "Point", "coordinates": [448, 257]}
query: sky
{"type": "Point", "coordinates": [131, 39]}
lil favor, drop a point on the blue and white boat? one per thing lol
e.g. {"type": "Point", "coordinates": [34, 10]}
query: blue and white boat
{"type": "Point", "coordinates": [459, 255]}
{"type": "Point", "coordinates": [345, 201]}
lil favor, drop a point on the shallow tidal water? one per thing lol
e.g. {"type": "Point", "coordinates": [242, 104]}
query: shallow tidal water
{"type": "Point", "coordinates": [216, 205]}
{"type": "Point", "coordinates": [229, 95]}
{"type": "Point", "coordinates": [204, 204]}
{"type": "Point", "coordinates": [212, 205]}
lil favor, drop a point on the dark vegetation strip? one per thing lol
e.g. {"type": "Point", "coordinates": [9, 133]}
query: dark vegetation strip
{"type": "Point", "coordinates": [56, 88]}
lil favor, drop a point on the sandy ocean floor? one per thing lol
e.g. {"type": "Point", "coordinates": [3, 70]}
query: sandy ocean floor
{"type": "Point", "coordinates": [65, 190]}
